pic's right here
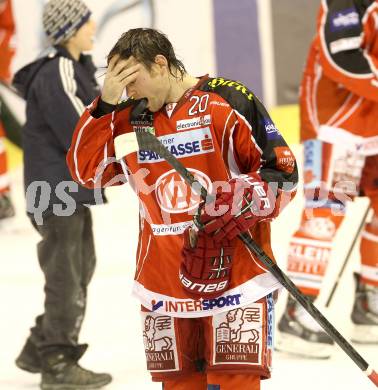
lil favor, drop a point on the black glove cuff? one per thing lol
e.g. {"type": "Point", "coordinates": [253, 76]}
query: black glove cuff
{"type": "Point", "coordinates": [103, 108]}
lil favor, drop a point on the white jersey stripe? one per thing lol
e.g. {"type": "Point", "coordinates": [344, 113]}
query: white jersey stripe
{"type": "Point", "coordinates": [224, 131]}
{"type": "Point", "coordinates": [339, 111]}
{"type": "Point", "coordinates": [369, 236]}
{"type": "Point", "coordinates": [349, 113]}
{"type": "Point", "coordinates": [250, 128]}
{"type": "Point", "coordinates": [75, 150]}
{"type": "Point", "coordinates": [232, 165]}
{"type": "Point", "coordinates": [369, 272]}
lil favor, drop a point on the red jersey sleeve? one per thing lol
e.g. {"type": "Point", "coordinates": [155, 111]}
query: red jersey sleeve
{"type": "Point", "coordinates": [253, 144]}
{"type": "Point", "coordinates": [346, 39]}
{"type": "Point", "coordinates": [91, 157]}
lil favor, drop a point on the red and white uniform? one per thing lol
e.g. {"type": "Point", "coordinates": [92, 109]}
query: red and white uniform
{"type": "Point", "coordinates": [218, 130]}
{"type": "Point", "coordinates": [339, 128]}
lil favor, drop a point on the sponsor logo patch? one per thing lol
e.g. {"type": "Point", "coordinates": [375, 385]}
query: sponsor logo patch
{"type": "Point", "coordinates": [285, 160]}
{"type": "Point", "coordinates": [220, 82]}
{"type": "Point", "coordinates": [189, 305]}
{"type": "Point", "coordinates": [344, 19]}
{"type": "Point", "coordinates": [220, 104]}
{"type": "Point", "coordinates": [159, 342]}
{"type": "Point", "coordinates": [173, 229]}
{"type": "Point", "coordinates": [148, 129]}
{"type": "Point", "coordinates": [169, 108]}
{"type": "Point", "coordinates": [185, 144]}
{"type": "Point", "coordinates": [271, 130]}
{"type": "Point", "coordinates": [187, 124]}
{"type": "Point", "coordinates": [238, 336]}
{"type": "Point", "coordinates": [308, 259]}
{"type": "Point", "coordinates": [321, 228]}
{"type": "Point", "coordinates": [345, 44]}
{"type": "Point", "coordinates": [144, 119]}
{"type": "Point", "coordinates": [174, 194]}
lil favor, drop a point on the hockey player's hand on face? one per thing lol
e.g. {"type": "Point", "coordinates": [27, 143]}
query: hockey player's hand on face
{"type": "Point", "coordinates": [119, 75]}
{"type": "Point", "coordinates": [206, 264]}
{"type": "Point", "coordinates": [246, 201]}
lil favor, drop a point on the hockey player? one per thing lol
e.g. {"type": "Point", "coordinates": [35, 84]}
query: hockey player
{"type": "Point", "coordinates": [204, 326]}
{"type": "Point", "coordinates": [339, 131]}
{"type": "Point", "coordinates": [7, 29]}
{"type": "Point", "coordinates": [56, 88]}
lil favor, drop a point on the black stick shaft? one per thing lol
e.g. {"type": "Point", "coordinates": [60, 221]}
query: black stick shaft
{"type": "Point", "coordinates": [306, 303]}
{"type": "Point", "coordinates": [148, 141]}
{"type": "Point", "coordinates": [347, 257]}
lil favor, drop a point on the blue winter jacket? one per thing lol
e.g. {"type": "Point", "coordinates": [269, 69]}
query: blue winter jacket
{"type": "Point", "coordinates": [56, 89]}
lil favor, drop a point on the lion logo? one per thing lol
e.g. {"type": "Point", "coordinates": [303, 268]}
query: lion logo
{"type": "Point", "coordinates": [150, 333]}
{"type": "Point", "coordinates": [242, 326]}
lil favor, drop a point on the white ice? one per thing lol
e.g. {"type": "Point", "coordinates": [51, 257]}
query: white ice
{"type": "Point", "coordinates": [112, 325]}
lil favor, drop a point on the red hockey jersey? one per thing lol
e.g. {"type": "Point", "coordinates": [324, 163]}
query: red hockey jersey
{"type": "Point", "coordinates": [339, 90]}
{"type": "Point", "coordinates": [218, 130]}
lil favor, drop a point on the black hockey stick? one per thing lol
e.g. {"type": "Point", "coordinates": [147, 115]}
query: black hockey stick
{"type": "Point", "coordinates": [348, 255]}
{"type": "Point", "coordinates": [144, 140]}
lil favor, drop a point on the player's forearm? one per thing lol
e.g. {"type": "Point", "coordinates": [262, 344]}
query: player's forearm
{"type": "Point", "coordinates": [281, 174]}
{"type": "Point", "coordinates": [91, 155]}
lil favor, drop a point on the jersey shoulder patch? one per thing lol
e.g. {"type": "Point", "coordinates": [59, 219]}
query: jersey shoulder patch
{"type": "Point", "coordinates": [230, 90]}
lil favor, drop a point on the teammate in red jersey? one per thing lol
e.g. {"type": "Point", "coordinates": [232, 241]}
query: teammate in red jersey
{"type": "Point", "coordinates": [207, 309]}
{"type": "Point", "coordinates": [339, 131]}
{"type": "Point", "coordinates": [7, 29]}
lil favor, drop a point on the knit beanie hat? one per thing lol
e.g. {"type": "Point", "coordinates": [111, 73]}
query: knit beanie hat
{"type": "Point", "coordinates": [62, 18]}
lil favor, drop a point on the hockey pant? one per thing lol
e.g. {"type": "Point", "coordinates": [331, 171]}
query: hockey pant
{"type": "Point", "coordinates": [4, 178]}
{"type": "Point", "coordinates": [228, 350]}
{"type": "Point", "coordinates": [310, 248]}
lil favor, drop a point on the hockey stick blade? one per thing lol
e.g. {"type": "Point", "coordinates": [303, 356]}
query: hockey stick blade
{"type": "Point", "coordinates": [148, 141]}
{"type": "Point", "coordinates": [126, 144]}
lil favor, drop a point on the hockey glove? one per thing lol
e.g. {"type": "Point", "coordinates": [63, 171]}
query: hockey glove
{"type": "Point", "coordinates": [237, 208]}
{"type": "Point", "coordinates": [206, 267]}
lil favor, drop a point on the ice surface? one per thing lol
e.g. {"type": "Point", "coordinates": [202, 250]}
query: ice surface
{"type": "Point", "coordinates": [112, 325]}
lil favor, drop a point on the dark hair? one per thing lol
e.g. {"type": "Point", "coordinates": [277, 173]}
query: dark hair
{"type": "Point", "coordinates": [144, 44]}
